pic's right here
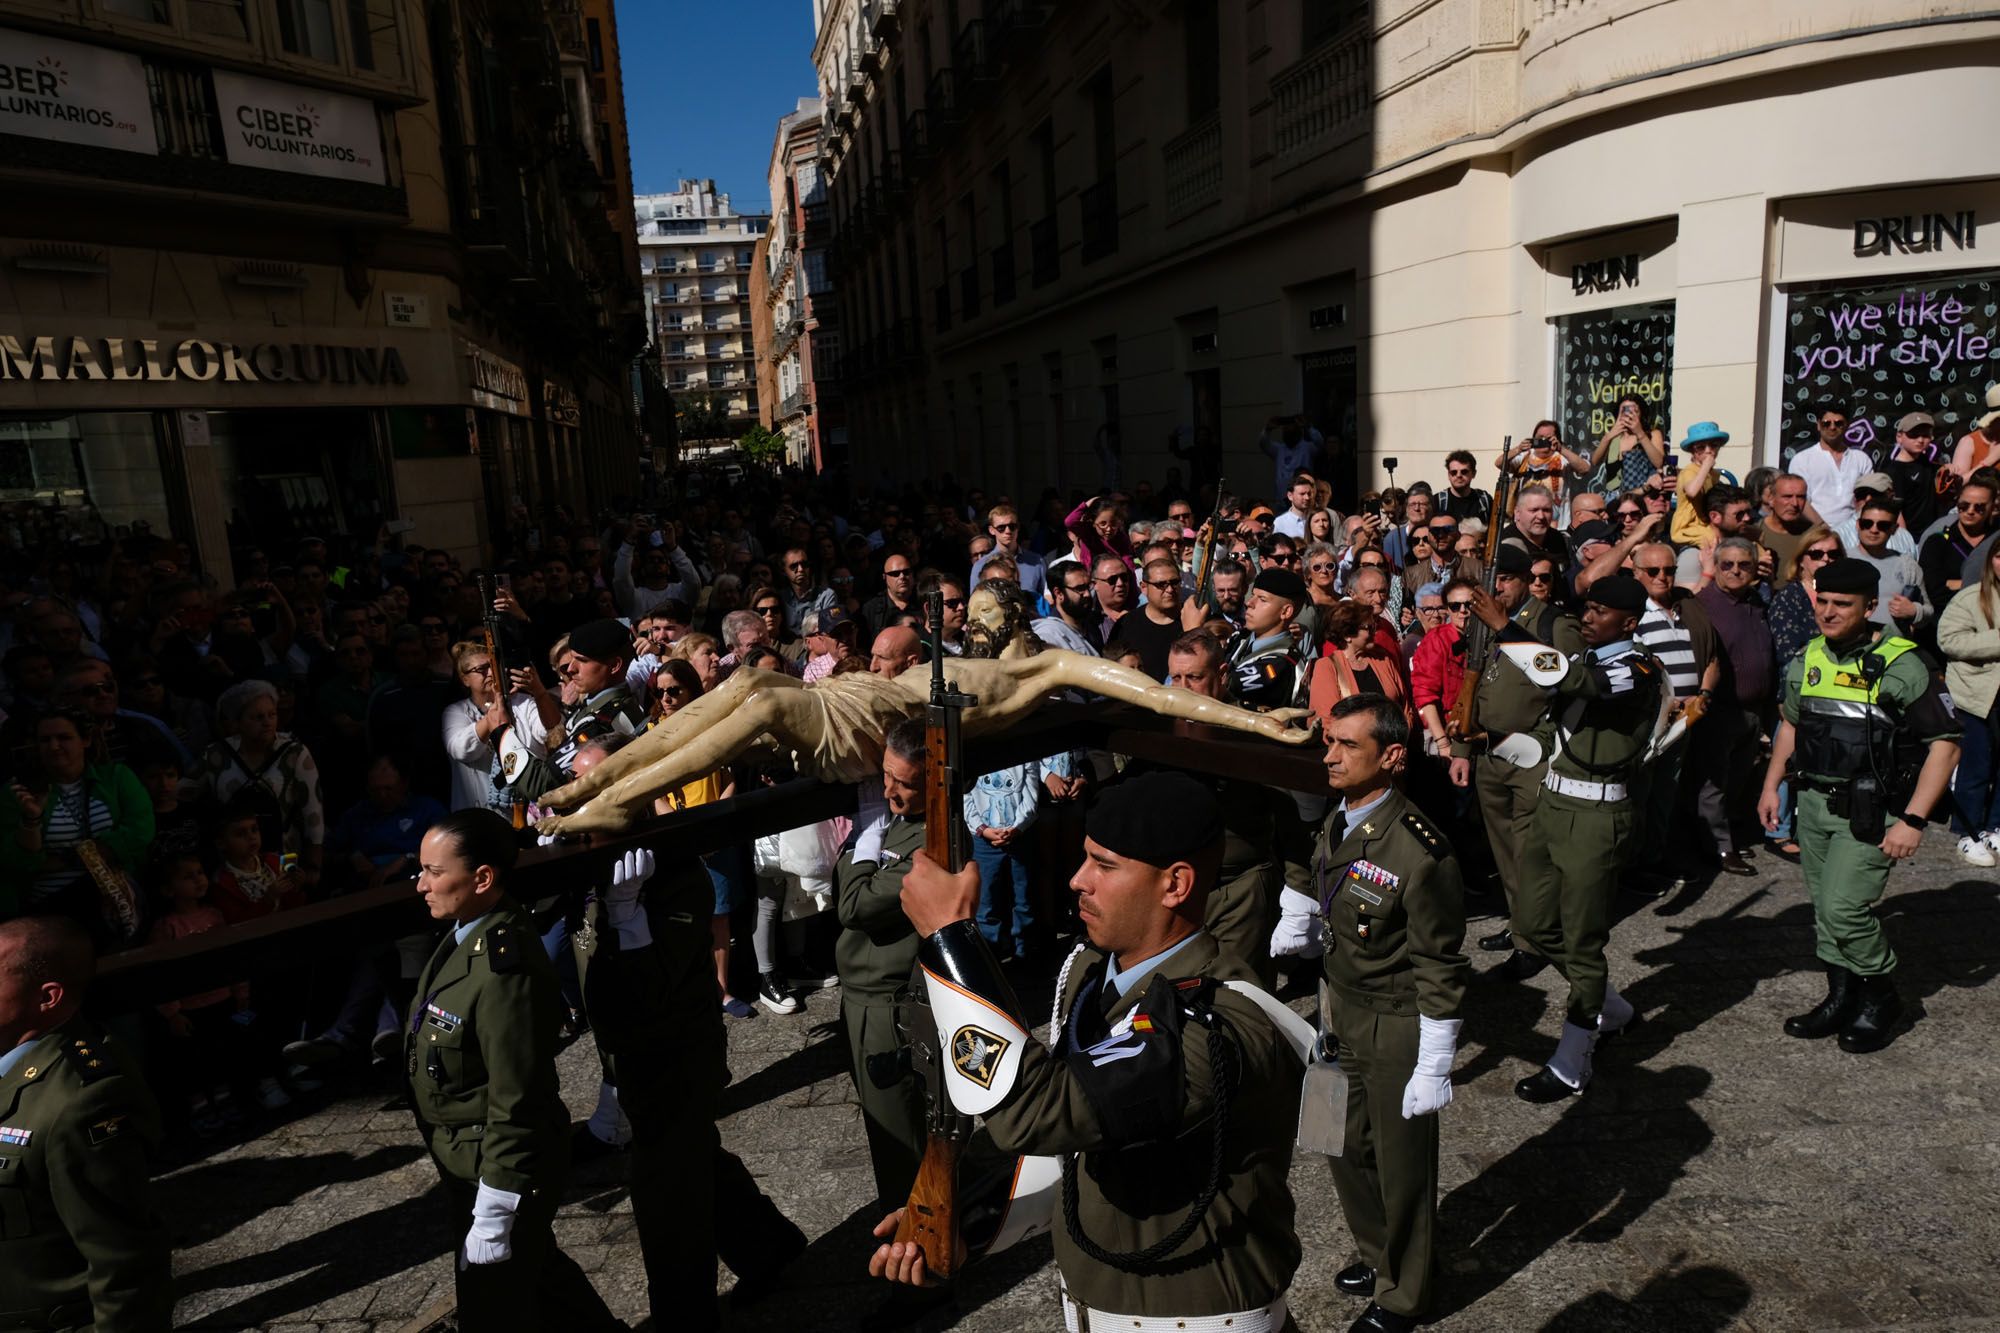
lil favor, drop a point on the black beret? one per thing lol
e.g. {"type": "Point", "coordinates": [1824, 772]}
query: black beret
{"type": "Point", "coordinates": [1513, 560]}
{"type": "Point", "coordinates": [1158, 818]}
{"type": "Point", "coordinates": [1620, 592]}
{"type": "Point", "coordinates": [602, 641]}
{"type": "Point", "coordinates": [1596, 530]}
{"type": "Point", "coordinates": [1850, 575]}
{"type": "Point", "coordinates": [1282, 583]}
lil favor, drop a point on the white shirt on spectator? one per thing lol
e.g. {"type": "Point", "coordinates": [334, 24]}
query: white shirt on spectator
{"type": "Point", "coordinates": [472, 758]}
{"type": "Point", "coordinates": [1830, 479]}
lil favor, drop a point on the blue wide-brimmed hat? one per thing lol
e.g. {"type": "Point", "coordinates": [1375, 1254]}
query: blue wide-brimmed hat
{"type": "Point", "coordinates": [1705, 432]}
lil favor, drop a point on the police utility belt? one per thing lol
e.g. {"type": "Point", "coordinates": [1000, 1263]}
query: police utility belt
{"type": "Point", "coordinates": [1080, 1318]}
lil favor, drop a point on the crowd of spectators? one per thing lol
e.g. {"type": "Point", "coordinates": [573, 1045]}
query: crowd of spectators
{"type": "Point", "coordinates": [185, 752]}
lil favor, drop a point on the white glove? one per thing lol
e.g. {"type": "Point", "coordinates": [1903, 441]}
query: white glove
{"type": "Point", "coordinates": [547, 839]}
{"type": "Point", "coordinates": [1429, 1088]}
{"type": "Point", "coordinates": [621, 901]}
{"type": "Point", "coordinates": [1300, 930]}
{"type": "Point", "coordinates": [490, 1241]}
{"type": "Point", "coordinates": [868, 847]}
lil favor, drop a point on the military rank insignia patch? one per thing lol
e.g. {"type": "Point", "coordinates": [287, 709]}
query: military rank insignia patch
{"type": "Point", "coordinates": [18, 1137]}
{"type": "Point", "coordinates": [440, 1018]}
{"type": "Point", "coordinates": [1549, 661]}
{"type": "Point", "coordinates": [107, 1129]}
{"type": "Point", "coordinates": [976, 1052]}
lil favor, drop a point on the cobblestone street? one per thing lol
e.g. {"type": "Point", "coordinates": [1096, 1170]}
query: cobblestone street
{"type": "Point", "coordinates": [1716, 1174]}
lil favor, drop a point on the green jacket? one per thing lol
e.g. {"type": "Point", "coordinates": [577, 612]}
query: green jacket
{"type": "Point", "coordinates": [481, 1041]}
{"type": "Point", "coordinates": [1506, 701]}
{"type": "Point", "coordinates": [654, 1012]}
{"type": "Point", "coordinates": [1604, 714]}
{"type": "Point", "coordinates": [125, 842]}
{"type": "Point", "coordinates": [877, 944]}
{"type": "Point", "coordinates": [1131, 1196]}
{"type": "Point", "coordinates": [1395, 914]}
{"type": "Point", "coordinates": [80, 1242]}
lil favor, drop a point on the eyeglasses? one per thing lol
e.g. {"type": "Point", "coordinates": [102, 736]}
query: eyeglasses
{"type": "Point", "coordinates": [895, 573]}
{"type": "Point", "coordinates": [674, 691]}
{"type": "Point", "coordinates": [1818, 555]}
{"type": "Point", "coordinates": [1458, 608]}
{"type": "Point", "coordinates": [766, 610]}
{"type": "Point", "coordinates": [1420, 539]}
{"type": "Point", "coordinates": [1654, 571]}
{"type": "Point", "coordinates": [1285, 558]}
{"type": "Point", "coordinates": [1459, 471]}
{"type": "Point", "coordinates": [1833, 425]}
{"type": "Point", "coordinates": [1322, 567]}
{"type": "Point", "coordinates": [1078, 589]}
{"type": "Point", "coordinates": [478, 669]}
{"type": "Point", "coordinates": [1972, 507]}
{"type": "Point", "coordinates": [1541, 578]}
{"type": "Point", "coordinates": [1443, 531]}
{"type": "Point", "coordinates": [1163, 583]}
{"type": "Point", "coordinates": [1003, 527]}
{"type": "Point", "coordinates": [1876, 524]}
{"type": "Point", "coordinates": [1630, 515]}
{"type": "Point", "coordinates": [954, 603]}
{"type": "Point", "coordinates": [1736, 564]}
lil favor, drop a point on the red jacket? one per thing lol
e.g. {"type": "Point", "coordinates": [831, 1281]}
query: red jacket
{"type": "Point", "coordinates": [1437, 671]}
{"type": "Point", "coordinates": [241, 900]}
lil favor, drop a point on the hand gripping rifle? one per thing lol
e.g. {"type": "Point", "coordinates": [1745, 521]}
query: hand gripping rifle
{"type": "Point", "coordinates": [931, 1220]}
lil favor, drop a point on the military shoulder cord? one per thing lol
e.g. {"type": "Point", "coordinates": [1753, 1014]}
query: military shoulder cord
{"type": "Point", "coordinates": [1152, 1261]}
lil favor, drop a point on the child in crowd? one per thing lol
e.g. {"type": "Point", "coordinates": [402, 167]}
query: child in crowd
{"type": "Point", "coordinates": [249, 882]}
{"type": "Point", "coordinates": [208, 1028]}
{"type": "Point", "coordinates": [176, 822]}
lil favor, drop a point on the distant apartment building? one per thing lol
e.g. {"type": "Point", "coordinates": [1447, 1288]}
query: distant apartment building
{"type": "Point", "coordinates": [696, 255]}
{"type": "Point", "coordinates": [798, 295]}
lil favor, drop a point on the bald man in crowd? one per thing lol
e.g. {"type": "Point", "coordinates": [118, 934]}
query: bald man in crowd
{"type": "Point", "coordinates": [896, 650]}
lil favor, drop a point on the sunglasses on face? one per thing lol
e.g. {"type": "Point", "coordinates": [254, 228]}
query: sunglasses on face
{"type": "Point", "coordinates": [1282, 559]}
{"type": "Point", "coordinates": [1003, 527]}
{"type": "Point", "coordinates": [767, 610]}
{"type": "Point", "coordinates": [674, 692]}
{"type": "Point", "coordinates": [1541, 578]}
{"type": "Point", "coordinates": [1832, 425]}
{"type": "Point", "coordinates": [895, 573]}
{"type": "Point", "coordinates": [1459, 471]}
{"type": "Point", "coordinates": [1972, 507]}
{"type": "Point", "coordinates": [954, 603]}
{"type": "Point", "coordinates": [1819, 555]}
{"type": "Point", "coordinates": [1163, 584]}
{"type": "Point", "coordinates": [1736, 564]}
{"type": "Point", "coordinates": [1458, 608]}
{"type": "Point", "coordinates": [479, 669]}
{"type": "Point", "coordinates": [1653, 571]}
{"type": "Point", "coordinates": [1876, 524]}
{"type": "Point", "coordinates": [1322, 567]}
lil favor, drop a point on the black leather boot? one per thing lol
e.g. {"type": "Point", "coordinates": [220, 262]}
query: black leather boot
{"type": "Point", "coordinates": [1875, 1017]}
{"type": "Point", "coordinates": [1831, 1014]}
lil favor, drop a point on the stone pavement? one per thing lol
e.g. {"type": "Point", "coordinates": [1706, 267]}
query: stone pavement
{"type": "Point", "coordinates": [1716, 1175]}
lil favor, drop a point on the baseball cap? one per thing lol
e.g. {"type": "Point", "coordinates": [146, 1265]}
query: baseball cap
{"type": "Point", "coordinates": [1909, 421]}
{"type": "Point", "coordinates": [1262, 512]}
{"type": "Point", "coordinates": [1879, 482]}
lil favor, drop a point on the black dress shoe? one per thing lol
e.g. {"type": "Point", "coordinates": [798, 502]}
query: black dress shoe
{"type": "Point", "coordinates": [1519, 966]}
{"type": "Point", "coordinates": [1543, 1087]}
{"type": "Point", "coordinates": [1737, 864]}
{"type": "Point", "coordinates": [1355, 1280]}
{"type": "Point", "coordinates": [585, 1146]}
{"type": "Point", "coordinates": [1831, 1014]}
{"type": "Point", "coordinates": [1500, 941]}
{"type": "Point", "coordinates": [1377, 1320]}
{"type": "Point", "coordinates": [1875, 1017]}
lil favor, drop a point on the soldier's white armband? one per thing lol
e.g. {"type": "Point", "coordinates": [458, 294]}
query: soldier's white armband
{"type": "Point", "coordinates": [1538, 662]}
{"type": "Point", "coordinates": [980, 1033]}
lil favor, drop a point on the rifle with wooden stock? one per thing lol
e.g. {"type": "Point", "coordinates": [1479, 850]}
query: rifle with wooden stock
{"type": "Point", "coordinates": [1462, 724]}
{"type": "Point", "coordinates": [931, 1218]}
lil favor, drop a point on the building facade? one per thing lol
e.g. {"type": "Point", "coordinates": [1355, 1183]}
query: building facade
{"type": "Point", "coordinates": [798, 293]}
{"type": "Point", "coordinates": [1105, 239]}
{"type": "Point", "coordinates": [695, 260]}
{"type": "Point", "coordinates": [271, 270]}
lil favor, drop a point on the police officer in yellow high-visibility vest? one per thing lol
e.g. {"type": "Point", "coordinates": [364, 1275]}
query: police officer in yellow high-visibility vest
{"type": "Point", "coordinates": [1871, 742]}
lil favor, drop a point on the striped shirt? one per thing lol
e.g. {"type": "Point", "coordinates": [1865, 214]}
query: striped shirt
{"type": "Point", "coordinates": [1662, 633]}
{"type": "Point", "coordinates": [73, 816]}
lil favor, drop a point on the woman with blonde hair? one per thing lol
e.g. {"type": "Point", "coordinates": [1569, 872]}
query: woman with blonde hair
{"type": "Point", "coordinates": [701, 652]}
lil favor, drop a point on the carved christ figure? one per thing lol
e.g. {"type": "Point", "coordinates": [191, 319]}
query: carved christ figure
{"type": "Point", "coordinates": [835, 726]}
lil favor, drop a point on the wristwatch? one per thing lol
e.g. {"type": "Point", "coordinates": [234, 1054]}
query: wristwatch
{"type": "Point", "coordinates": [1917, 822]}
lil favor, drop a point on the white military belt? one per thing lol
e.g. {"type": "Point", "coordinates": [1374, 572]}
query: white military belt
{"type": "Point", "coordinates": [1585, 791]}
{"type": "Point", "coordinates": [1081, 1319]}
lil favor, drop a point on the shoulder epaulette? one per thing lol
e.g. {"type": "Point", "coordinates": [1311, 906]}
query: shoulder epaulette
{"type": "Point", "coordinates": [504, 951]}
{"type": "Point", "coordinates": [92, 1063]}
{"type": "Point", "coordinates": [1432, 840]}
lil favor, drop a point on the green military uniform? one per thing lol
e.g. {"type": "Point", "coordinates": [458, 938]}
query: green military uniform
{"type": "Point", "coordinates": [481, 1047]}
{"type": "Point", "coordinates": [1605, 710]}
{"type": "Point", "coordinates": [1134, 1194]}
{"type": "Point", "coordinates": [1834, 708]}
{"type": "Point", "coordinates": [1507, 704]}
{"type": "Point", "coordinates": [874, 954]}
{"type": "Point", "coordinates": [656, 1016]}
{"type": "Point", "coordinates": [80, 1244]}
{"type": "Point", "coordinates": [1394, 907]}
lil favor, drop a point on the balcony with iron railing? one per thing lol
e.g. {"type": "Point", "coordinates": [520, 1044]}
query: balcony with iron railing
{"type": "Point", "coordinates": [1099, 207]}
{"type": "Point", "coordinates": [1325, 100]}
{"type": "Point", "coordinates": [941, 306]}
{"type": "Point", "coordinates": [884, 18]}
{"type": "Point", "coordinates": [973, 61]}
{"type": "Point", "coordinates": [1044, 251]}
{"type": "Point", "coordinates": [1017, 24]}
{"type": "Point", "coordinates": [1191, 164]}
